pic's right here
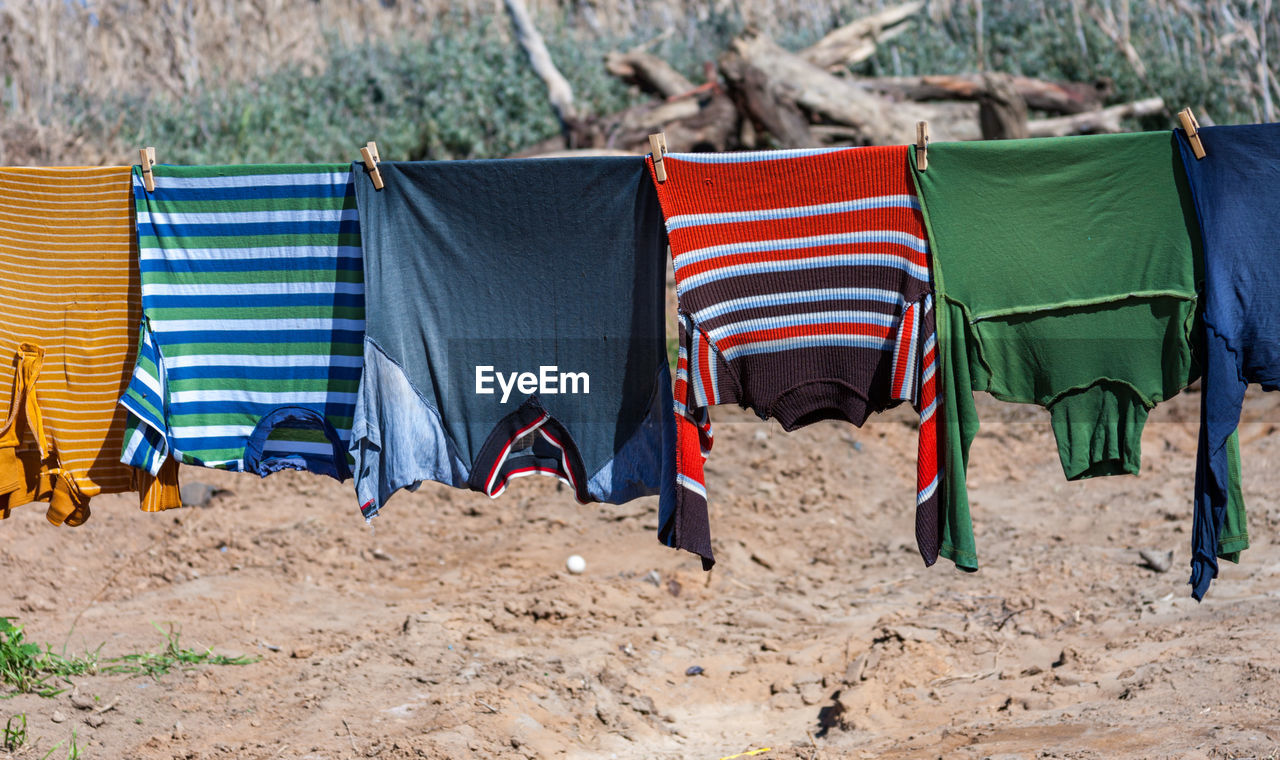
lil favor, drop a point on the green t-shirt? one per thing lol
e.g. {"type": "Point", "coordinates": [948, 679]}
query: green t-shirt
{"type": "Point", "coordinates": [1066, 274]}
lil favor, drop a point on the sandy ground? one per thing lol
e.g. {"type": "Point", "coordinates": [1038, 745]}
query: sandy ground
{"type": "Point", "coordinates": [450, 629]}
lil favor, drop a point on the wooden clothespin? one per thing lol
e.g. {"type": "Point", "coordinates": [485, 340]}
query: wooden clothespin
{"type": "Point", "coordinates": [1192, 128]}
{"type": "Point", "coordinates": [922, 145]}
{"type": "Point", "coordinates": [658, 146]}
{"type": "Point", "coordinates": [147, 159]}
{"type": "Point", "coordinates": [371, 160]}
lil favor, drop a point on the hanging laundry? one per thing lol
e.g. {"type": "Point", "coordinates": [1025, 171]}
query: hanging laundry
{"type": "Point", "coordinates": [253, 303]}
{"type": "Point", "coordinates": [69, 301]}
{"type": "Point", "coordinates": [1237, 203]}
{"type": "Point", "coordinates": [515, 327]}
{"type": "Point", "coordinates": [804, 295]}
{"type": "Point", "coordinates": [1066, 274]}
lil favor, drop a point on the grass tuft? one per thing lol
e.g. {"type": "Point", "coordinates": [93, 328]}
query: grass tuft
{"type": "Point", "coordinates": [171, 656]}
{"type": "Point", "coordinates": [15, 732]}
{"type": "Point", "coordinates": [28, 668]}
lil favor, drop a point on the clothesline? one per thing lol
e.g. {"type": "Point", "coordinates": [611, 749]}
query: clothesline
{"type": "Point", "coordinates": [473, 322]}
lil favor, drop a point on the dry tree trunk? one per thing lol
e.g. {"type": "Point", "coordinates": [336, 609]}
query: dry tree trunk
{"type": "Point", "coordinates": [648, 71]}
{"type": "Point", "coordinates": [708, 120]}
{"type": "Point", "coordinates": [558, 89]}
{"type": "Point", "coordinates": [831, 99]}
{"type": "Point", "coordinates": [1002, 113]}
{"type": "Point", "coordinates": [760, 101]}
{"type": "Point", "coordinates": [1056, 97]}
{"type": "Point", "coordinates": [1104, 120]}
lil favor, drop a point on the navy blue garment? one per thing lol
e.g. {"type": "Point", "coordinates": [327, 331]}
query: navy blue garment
{"type": "Point", "coordinates": [1237, 197]}
{"type": "Point", "coordinates": [479, 272]}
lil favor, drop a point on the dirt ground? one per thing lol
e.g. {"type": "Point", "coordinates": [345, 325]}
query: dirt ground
{"type": "Point", "coordinates": [449, 628]}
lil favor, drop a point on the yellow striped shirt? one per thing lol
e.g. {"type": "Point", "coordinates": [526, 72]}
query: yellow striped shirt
{"type": "Point", "coordinates": [69, 284]}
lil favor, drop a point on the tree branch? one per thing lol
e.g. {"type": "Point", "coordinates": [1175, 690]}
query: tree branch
{"type": "Point", "coordinates": [1058, 97]}
{"type": "Point", "coordinates": [648, 71]}
{"type": "Point", "coordinates": [558, 89]}
{"type": "Point", "coordinates": [1104, 120]}
{"type": "Point", "coordinates": [856, 42]}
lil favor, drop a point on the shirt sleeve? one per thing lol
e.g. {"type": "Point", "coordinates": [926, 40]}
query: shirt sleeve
{"type": "Point", "coordinates": [146, 442]}
{"type": "Point", "coordinates": [1233, 531]}
{"type": "Point", "coordinates": [1221, 399]}
{"type": "Point", "coordinates": [958, 423]}
{"type": "Point", "coordinates": [927, 405]}
{"type": "Point", "coordinates": [687, 525]}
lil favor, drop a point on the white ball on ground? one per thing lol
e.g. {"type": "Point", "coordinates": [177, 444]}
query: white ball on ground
{"type": "Point", "coordinates": [576, 564]}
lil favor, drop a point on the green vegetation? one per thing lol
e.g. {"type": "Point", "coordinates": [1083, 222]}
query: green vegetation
{"type": "Point", "coordinates": [73, 752]}
{"type": "Point", "coordinates": [28, 668]}
{"type": "Point", "coordinates": [172, 655]}
{"type": "Point", "coordinates": [1177, 58]}
{"type": "Point", "coordinates": [463, 93]}
{"type": "Point", "coordinates": [15, 738]}
{"type": "Point", "coordinates": [15, 732]}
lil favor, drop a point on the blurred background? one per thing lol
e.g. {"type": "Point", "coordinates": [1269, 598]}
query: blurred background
{"type": "Point", "coordinates": [228, 81]}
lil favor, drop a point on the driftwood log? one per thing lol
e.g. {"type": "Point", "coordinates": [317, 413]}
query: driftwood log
{"type": "Point", "coordinates": [856, 42]}
{"type": "Point", "coordinates": [759, 95]}
{"type": "Point", "coordinates": [649, 72]}
{"type": "Point", "coordinates": [1101, 121]}
{"type": "Point", "coordinates": [1055, 97]}
{"type": "Point", "coordinates": [759, 100]}
{"type": "Point", "coordinates": [1002, 113]}
{"type": "Point", "coordinates": [836, 100]}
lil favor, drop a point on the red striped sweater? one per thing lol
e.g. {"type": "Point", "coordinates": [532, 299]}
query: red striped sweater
{"type": "Point", "coordinates": [804, 294]}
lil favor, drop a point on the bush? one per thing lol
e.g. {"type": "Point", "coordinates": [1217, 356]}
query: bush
{"type": "Point", "coordinates": [463, 93]}
{"type": "Point", "coordinates": [1042, 40]}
